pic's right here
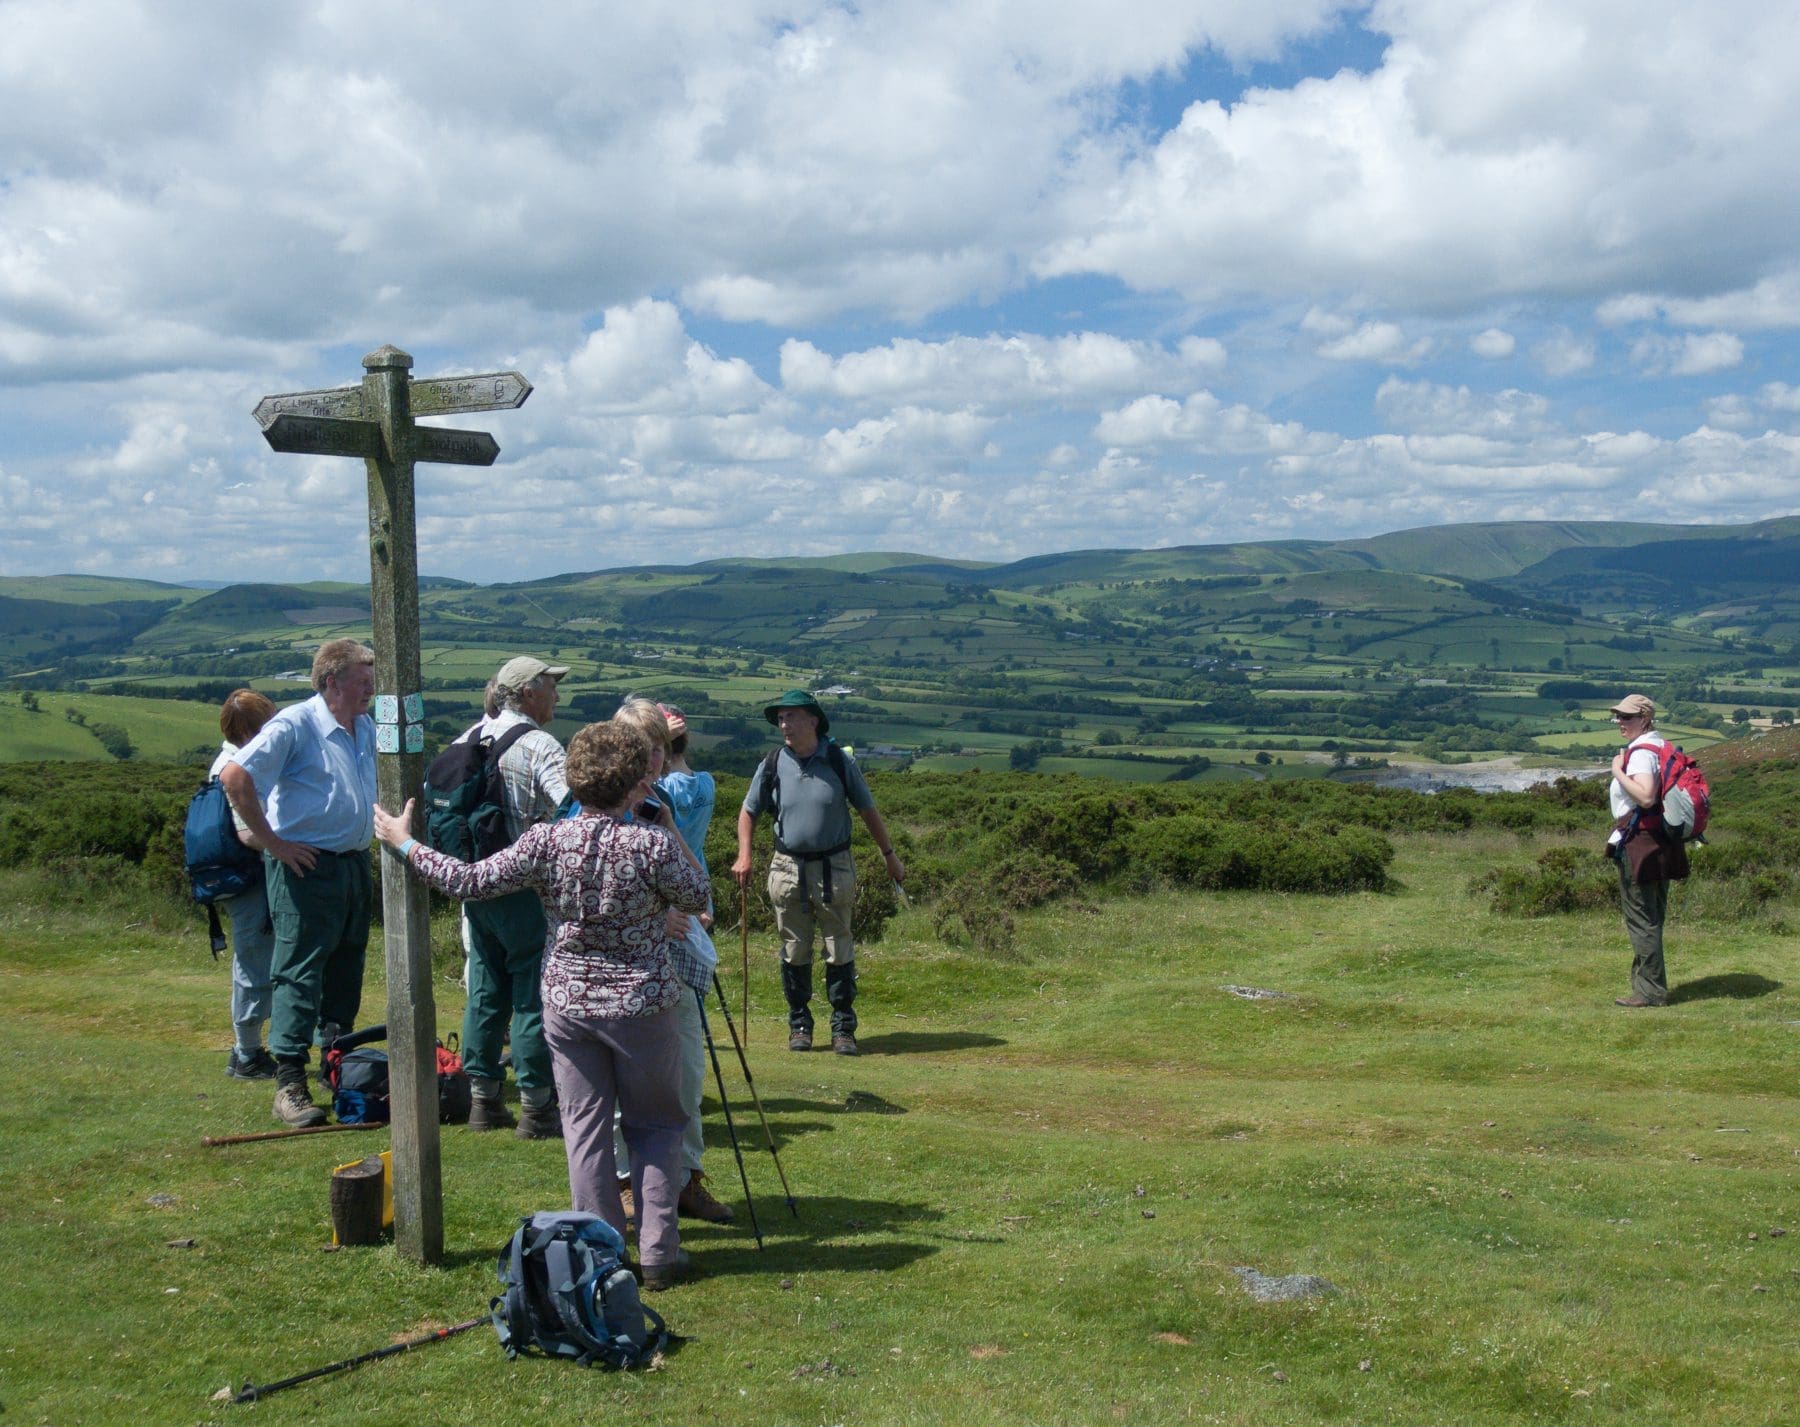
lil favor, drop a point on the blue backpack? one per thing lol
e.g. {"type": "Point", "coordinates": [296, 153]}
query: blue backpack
{"type": "Point", "coordinates": [218, 865]}
{"type": "Point", "coordinates": [568, 1294]}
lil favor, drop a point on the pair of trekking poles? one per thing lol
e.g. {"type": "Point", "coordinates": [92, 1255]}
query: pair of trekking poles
{"type": "Point", "coordinates": [749, 1079]}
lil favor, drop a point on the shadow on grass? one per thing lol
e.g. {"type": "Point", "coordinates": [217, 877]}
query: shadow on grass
{"type": "Point", "coordinates": [1733, 986]}
{"type": "Point", "coordinates": [814, 1240]}
{"type": "Point", "coordinates": [925, 1042]}
{"type": "Point", "coordinates": [750, 1124]}
{"type": "Point", "coordinates": [810, 1239]}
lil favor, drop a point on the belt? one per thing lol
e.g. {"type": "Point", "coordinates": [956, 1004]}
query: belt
{"type": "Point", "coordinates": [804, 857]}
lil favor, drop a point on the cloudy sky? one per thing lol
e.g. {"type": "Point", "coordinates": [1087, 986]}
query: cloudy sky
{"type": "Point", "coordinates": [973, 279]}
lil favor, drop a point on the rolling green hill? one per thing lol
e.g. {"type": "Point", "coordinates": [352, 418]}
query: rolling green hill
{"type": "Point", "coordinates": [1203, 661]}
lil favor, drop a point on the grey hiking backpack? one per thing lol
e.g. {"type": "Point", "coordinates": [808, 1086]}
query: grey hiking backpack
{"type": "Point", "coordinates": [568, 1294]}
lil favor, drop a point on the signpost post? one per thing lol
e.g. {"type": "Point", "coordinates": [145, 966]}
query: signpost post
{"type": "Point", "coordinates": [375, 420]}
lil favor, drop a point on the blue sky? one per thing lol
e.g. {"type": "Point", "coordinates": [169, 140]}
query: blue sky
{"type": "Point", "coordinates": [983, 280]}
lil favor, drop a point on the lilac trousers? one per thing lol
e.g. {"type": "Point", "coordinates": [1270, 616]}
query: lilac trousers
{"type": "Point", "coordinates": [634, 1063]}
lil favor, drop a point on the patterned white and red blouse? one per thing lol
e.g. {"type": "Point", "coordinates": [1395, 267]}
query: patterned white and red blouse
{"type": "Point", "coordinates": [606, 886]}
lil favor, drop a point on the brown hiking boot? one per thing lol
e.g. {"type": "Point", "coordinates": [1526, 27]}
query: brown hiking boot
{"type": "Point", "coordinates": [843, 1043]}
{"type": "Point", "coordinates": [696, 1202]}
{"type": "Point", "coordinates": [490, 1115]}
{"type": "Point", "coordinates": [800, 1040]}
{"type": "Point", "coordinates": [294, 1106]}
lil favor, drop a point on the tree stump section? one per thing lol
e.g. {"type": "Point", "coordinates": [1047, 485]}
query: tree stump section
{"type": "Point", "coordinates": [356, 1195]}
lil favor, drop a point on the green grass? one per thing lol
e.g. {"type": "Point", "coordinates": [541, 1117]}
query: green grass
{"type": "Point", "coordinates": [1535, 1206]}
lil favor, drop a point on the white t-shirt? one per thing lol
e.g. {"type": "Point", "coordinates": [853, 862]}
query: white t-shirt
{"type": "Point", "coordinates": [226, 749]}
{"type": "Point", "coordinates": [1643, 764]}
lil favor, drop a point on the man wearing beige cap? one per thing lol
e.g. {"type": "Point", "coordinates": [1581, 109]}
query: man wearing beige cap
{"type": "Point", "coordinates": [506, 935]}
{"type": "Point", "coordinates": [1645, 861]}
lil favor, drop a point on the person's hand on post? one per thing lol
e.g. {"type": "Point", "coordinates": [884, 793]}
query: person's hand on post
{"type": "Point", "coordinates": [394, 830]}
{"type": "Point", "coordinates": [740, 869]}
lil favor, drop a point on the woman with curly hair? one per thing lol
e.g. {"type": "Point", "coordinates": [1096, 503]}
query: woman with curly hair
{"type": "Point", "coordinates": [609, 989]}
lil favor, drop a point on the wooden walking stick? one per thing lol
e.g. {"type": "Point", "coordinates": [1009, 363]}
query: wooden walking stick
{"type": "Point", "coordinates": [213, 1141]}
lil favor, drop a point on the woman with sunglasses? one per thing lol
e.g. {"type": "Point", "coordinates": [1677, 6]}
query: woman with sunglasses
{"type": "Point", "coordinates": [1645, 860]}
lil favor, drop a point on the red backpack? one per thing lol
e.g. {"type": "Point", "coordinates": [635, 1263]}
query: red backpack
{"type": "Point", "coordinates": [1680, 786]}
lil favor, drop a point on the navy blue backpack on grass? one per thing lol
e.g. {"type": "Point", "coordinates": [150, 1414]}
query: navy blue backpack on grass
{"type": "Point", "coordinates": [218, 865]}
{"type": "Point", "coordinates": [356, 1073]}
{"type": "Point", "coordinates": [568, 1294]}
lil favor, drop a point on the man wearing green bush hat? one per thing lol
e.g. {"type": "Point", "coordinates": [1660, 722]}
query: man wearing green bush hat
{"type": "Point", "coordinates": [811, 784]}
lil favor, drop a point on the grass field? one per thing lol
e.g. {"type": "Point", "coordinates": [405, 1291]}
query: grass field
{"type": "Point", "coordinates": [1025, 1203]}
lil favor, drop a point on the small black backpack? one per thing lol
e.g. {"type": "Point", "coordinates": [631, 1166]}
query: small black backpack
{"type": "Point", "coordinates": [465, 804]}
{"type": "Point", "coordinates": [567, 1294]}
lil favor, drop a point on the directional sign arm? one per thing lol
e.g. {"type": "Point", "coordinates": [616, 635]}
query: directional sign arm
{"type": "Point", "coordinates": [325, 436]}
{"type": "Point", "coordinates": [455, 448]}
{"type": "Point", "coordinates": [340, 401]}
{"type": "Point", "coordinates": [448, 396]}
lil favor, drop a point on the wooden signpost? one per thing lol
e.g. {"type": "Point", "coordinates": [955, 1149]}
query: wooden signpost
{"type": "Point", "coordinates": [375, 420]}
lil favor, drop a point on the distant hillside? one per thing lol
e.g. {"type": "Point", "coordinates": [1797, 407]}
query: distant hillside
{"type": "Point", "coordinates": [89, 589]}
{"type": "Point", "coordinates": [238, 611]}
{"type": "Point", "coordinates": [1413, 594]}
{"type": "Point", "coordinates": [1491, 552]}
{"type": "Point", "coordinates": [868, 563]}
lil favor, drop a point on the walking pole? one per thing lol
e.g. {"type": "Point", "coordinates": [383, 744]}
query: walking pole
{"type": "Point", "coordinates": [750, 1080]}
{"type": "Point", "coordinates": [730, 1129]}
{"type": "Point", "coordinates": [252, 1393]}
{"type": "Point", "coordinates": [744, 929]}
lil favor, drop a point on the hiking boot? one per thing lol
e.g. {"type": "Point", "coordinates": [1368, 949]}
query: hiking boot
{"type": "Point", "coordinates": [843, 1043]}
{"type": "Point", "coordinates": [800, 1038]}
{"type": "Point", "coordinates": [658, 1276]}
{"type": "Point", "coordinates": [1634, 1002]}
{"type": "Point", "coordinates": [543, 1122]}
{"type": "Point", "coordinates": [294, 1106]}
{"type": "Point", "coordinates": [258, 1065]}
{"type": "Point", "coordinates": [490, 1115]}
{"type": "Point", "coordinates": [696, 1202]}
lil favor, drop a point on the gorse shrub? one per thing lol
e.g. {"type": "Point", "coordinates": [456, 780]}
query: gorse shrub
{"type": "Point", "coordinates": [971, 912]}
{"type": "Point", "coordinates": [1193, 851]}
{"type": "Point", "coordinates": [1564, 879]}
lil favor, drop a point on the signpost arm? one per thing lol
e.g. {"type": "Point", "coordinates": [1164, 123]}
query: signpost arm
{"type": "Point", "coordinates": [412, 1013]}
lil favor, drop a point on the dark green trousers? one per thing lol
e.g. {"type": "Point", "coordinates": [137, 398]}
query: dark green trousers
{"type": "Point", "coordinates": [506, 957]}
{"type": "Point", "coordinates": [1645, 905]}
{"type": "Point", "coordinates": [321, 934]}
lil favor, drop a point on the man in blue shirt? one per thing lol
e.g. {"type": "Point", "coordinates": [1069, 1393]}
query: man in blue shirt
{"type": "Point", "coordinates": [812, 877]}
{"type": "Point", "coordinates": [305, 788]}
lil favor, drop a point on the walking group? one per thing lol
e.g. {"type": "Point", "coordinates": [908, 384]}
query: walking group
{"type": "Point", "coordinates": [586, 929]}
{"type": "Point", "coordinates": [587, 924]}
